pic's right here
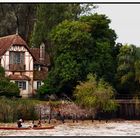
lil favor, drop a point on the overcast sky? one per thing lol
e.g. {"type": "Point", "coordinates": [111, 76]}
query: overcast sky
{"type": "Point", "coordinates": [125, 20]}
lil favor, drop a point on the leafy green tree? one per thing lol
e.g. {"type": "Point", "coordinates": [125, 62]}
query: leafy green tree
{"type": "Point", "coordinates": [95, 95]}
{"type": "Point", "coordinates": [77, 51]}
{"type": "Point", "coordinates": [137, 71]}
{"type": "Point", "coordinates": [126, 69]}
{"type": "Point", "coordinates": [102, 62]}
{"type": "Point", "coordinates": [100, 28]}
{"type": "Point", "coordinates": [103, 46]}
{"type": "Point", "coordinates": [137, 65]}
{"type": "Point", "coordinates": [70, 57]}
{"type": "Point", "coordinates": [12, 18]}
{"type": "Point", "coordinates": [50, 15]}
{"type": "Point", "coordinates": [7, 88]}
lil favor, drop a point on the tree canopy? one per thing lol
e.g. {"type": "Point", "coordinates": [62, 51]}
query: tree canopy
{"type": "Point", "coordinates": [12, 18]}
{"type": "Point", "coordinates": [50, 15]}
{"type": "Point", "coordinates": [77, 51]}
{"type": "Point", "coordinates": [128, 70]}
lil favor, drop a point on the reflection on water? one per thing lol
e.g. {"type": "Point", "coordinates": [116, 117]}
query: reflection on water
{"type": "Point", "coordinates": [122, 128]}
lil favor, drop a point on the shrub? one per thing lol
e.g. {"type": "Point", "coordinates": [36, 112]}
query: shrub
{"type": "Point", "coordinates": [13, 109]}
{"type": "Point", "coordinates": [95, 95]}
{"type": "Point", "coordinates": [7, 88]}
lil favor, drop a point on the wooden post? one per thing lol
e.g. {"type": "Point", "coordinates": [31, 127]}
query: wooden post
{"type": "Point", "coordinates": [40, 113]}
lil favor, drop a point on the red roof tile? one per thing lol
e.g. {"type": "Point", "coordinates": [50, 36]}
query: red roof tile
{"type": "Point", "coordinates": [7, 41]}
{"type": "Point", "coordinates": [36, 53]}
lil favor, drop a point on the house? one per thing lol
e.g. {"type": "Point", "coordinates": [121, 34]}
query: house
{"type": "Point", "coordinates": [27, 67]}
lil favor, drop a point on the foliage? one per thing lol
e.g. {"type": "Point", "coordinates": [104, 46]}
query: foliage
{"type": "Point", "coordinates": [12, 18]}
{"type": "Point", "coordinates": [95, 95]}
{"type": "Point", "coordinates": [100, 28]}
{"type": "Point", "coordinates": [70, 57]}
{"type": "Point", "coordinates": [104, 66]}
{"type": "Point", "coordinates": [50, 15]}
{"type": "Point", "coordinates": [13, 109]}
{"type": "Point", "coordinates": [103, 46]}
{"type": "Point", "coordinates": [137, 70]}
{"type": "Point", "coordinates": [137, 65]}
{"type": "Point", "coordinates": [77, 44]}
{"type": "Point", "coordinates": [7, 88]}
{"type": "Point", "coordinates": [128, 70]}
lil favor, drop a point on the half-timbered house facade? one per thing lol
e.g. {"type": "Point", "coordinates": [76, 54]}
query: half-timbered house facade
{"type": "Point", "coordinates": [27, 67]}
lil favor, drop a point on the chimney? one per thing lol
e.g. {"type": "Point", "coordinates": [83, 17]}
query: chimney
{"type": "Point", "coordinates": [42, 52]}
{"type": "Point", "coordinates": [17, 31]}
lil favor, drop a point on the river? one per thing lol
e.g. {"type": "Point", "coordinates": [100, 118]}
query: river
{"type": "Point", "coordinates": [112, 128]}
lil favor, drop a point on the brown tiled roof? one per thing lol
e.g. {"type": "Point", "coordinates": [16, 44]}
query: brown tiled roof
{"type": "Point", "coordinates": [40, 75]}
{"type": "Point", "coordinates": [19, 77]}
{"type": "Point", "coordinates": [36, 53]}
{"type": "Point", "coordinates": [7, 41]}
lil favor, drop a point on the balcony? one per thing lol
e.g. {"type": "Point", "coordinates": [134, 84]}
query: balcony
{"type": "Point", "coordinates": [17, 67]}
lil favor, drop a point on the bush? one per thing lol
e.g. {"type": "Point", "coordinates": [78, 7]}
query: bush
{"type": "Point", "coordinates": [7, 88]}
{"type": "Point", "coordinates": [13, 109]}
{"type": "Point", "coordinates": [95, 95]}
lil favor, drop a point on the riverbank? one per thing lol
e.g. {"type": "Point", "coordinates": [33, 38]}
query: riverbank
{"type": "Point", "coordinates": [86, 128]}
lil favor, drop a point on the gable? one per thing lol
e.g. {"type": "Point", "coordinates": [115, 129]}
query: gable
{"type": "Point", "coordinates": [12, 40]}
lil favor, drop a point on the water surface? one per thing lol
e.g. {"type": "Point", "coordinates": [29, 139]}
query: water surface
{"type": "Point", "coordinates": [118, 128]}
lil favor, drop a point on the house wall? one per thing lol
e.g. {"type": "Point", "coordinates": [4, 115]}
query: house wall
{"type": "Point", "coordinates": [28, 68]}
{"type": "Point", "coordinates": [35, 84]}
{"type": "Point", "coordinates": [24, 93]}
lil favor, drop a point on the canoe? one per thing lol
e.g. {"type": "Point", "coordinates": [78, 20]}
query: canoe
{"type": "Point", "coordinates": [14, 128]}
{"type": "Point", "coordinates": [39, 128]}
{"type": "Point", "coordinates": [35, 128]}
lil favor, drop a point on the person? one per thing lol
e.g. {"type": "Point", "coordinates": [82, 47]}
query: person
{"type": "Point", "coordinates": [39, 123]}
{"type": "Point", "coordinates": [75, 118]}
{"type": "Point", "coordinates": [33, 125]}
{"type": "Point", "coordinates": [19, 123]}
{"type": "Point", "coordinates": [62, 117]}
{"type": "Point", "coordinates": [58, 115]}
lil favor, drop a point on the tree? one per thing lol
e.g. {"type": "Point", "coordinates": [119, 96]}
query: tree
{"type": "Point", "coordinates": [95, 95]}
{"type": "Point", "coordinates": [100, 28]}
{"type": "Point", "coordinates": [102, 62]}
{"type": "Point", "coordinates": [12, 18]}
{"type": "Point", "coordinates": [70, 57]}
{"type": "Point", "coordinates": [126, 69]}
{"type": "Point", "coordinates": [50, 15]}
{"type": "Point", "coordinates": [103, 46]}
{"type": "Point", "coordinates": [77, 52]}
{"type": "Point", "coordinates": [137, 65]}
{"type": "Point", "coordinates": [7, 88]}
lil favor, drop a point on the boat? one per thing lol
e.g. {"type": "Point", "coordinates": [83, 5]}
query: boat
{"type": "Point", "coordinates": [28, 128]}
{"type": "Point", "coordinates": [39, 128]}
{"type": "Point", "coordinates": [14, 128]}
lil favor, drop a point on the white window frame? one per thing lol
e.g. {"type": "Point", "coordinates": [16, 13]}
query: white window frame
{"type": "Point", "coordinates": [21, 84]}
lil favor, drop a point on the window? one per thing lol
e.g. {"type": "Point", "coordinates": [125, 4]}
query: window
{"type": "Point", "coordinates": [16, 57]}
{"type": "Point", "coordinates": [21, 84]}
{"type": "Point", "coordinates": [38, 84]}
{"type": "Point", "coordinates": [37, 67]}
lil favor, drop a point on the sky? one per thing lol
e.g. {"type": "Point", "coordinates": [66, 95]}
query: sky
{"type": "Point", "coordinates": [125, 20]}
